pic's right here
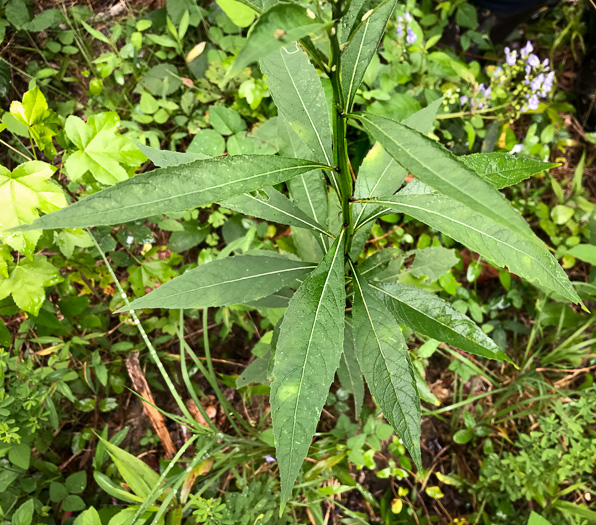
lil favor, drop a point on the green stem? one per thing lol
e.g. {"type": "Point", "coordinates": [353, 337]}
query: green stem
{"type": "Point", "coordinates": [340, 148]}
{"type": "Point", "coordinates": [148, 344]}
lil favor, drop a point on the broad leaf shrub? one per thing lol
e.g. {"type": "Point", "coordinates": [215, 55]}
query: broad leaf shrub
{"type": "Point", "coordinates": [334, 288]}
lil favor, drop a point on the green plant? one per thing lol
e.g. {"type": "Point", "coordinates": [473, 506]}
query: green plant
{"type": "Point", "coordinates": [453, 195]}
{"type": "Point", "coordinates": [548, 463]}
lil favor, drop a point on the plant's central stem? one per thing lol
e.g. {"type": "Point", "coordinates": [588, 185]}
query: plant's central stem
{"type": "Point", "coordinates": [340, 147]}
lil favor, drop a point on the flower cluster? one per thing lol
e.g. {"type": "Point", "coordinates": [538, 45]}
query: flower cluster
{"type": "Point", "coordinates": [519, 85]}
{"type": "Point", "coordinates": [527, 78]}
{"type": "Point", "coordinates": [405, 20]}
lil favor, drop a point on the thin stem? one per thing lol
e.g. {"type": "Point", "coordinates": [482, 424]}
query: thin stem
{"type": "Point", "coordinates": [148, 344]}
{"type": "Point", "coordinates": [15, 149]}
{"type": "Point", "coordinates": [475, 112]}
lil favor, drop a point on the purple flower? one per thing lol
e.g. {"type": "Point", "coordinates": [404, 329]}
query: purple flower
{"type": "Point", "coordinates": [497, 72]}
{"type": "Point", "coordinates": [537, 82]}
{"type": "Point", "coordinates": [526, 50]}
{"type": "Point", "coordinates": [411, 38]}
{"type": "Point", "coordinates": [408, 17]}
{"type": "Point", "coordinates": [516, 149]}
{"type": "Point", "coordinates": [528, 69]}
{"type": "Point", "coordinates": [400, 29]}
{"type": "Point", "coordinates": [534, 102]}
{"type": "Point", "coordinates": [545, 62]}
{"type": "Point", "coordinates": [269, 459]}
{"type": "Point", "coordinates": [510, 56]}
{"type": "Point", "coordinates": [533, 60]}
{"type": "Point", "coordinates": [548, 82]}
{"type": "Point", "coordinates": [485, 91]}
{"type": "Point", "coordinates": [463, 100]}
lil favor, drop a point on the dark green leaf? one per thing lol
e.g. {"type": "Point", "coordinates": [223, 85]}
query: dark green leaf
{"type": "Point", "coordinates": [20, 455]}
{"type": "Point", "coordinates": [429, 315]}
{"type": "Point", "coordinates": [255, 373]}
{"type": "Point", "coordinates": [273, 206]}
{"type": "Point", "coordinates": [434, 165]}
{"type": "Point", "coordinates": [233, 280]}
{"type": "Point", "coordinates": [349, 373]}
{"type": "Point", "coordinates": [307, 355]}
{"type": "Point", "coordinates": [527, 257]}
{"type": "Point", "coordinates": [361, 48]}
{"type": "Point", "coordinates": [385, 362]}
{"type": "Point", "coordinates": [503, 169]}
{"type": "Point", "coordinates": [177, 188]}
{"type": "Point", "coordinates": [300, 99]}
{"type": "Point", "coordinates": [165, 158]}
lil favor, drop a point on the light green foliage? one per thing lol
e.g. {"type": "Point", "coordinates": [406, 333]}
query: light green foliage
{"type": "Point", "coordinates": [141, 479]}
{"type": "Point", "coordinates": [306, 357]}
{"type": "Point", "coordinates": [279, 26]}
{"type": "Point", "coordinates": [27, 281]}
{"type": "Point", "coordinates": [101, 151]}
{"type": "Point", "coordinates": [41, 122]}
{"type": "Point", "coordinates": [239, 13]}
{"type": "Point", "coordinates": [23, 194]}
{"type": "Point", "coordinates": [559, 452]}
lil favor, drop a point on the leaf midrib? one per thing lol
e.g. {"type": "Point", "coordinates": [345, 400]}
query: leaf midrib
{"type": "Point", "coordinates": [323, 291]}
{"type": "Point", "coordinates": [395, 389]}
{"type": "Point", "coordinates": [409, 305]}
{"type": "Point", "coordinates": [484, 234]}
{"type": "Point", "coordinates": [221, 283]}
{"type": "Point", "coordinates": [313, 225]}
{"type": "Point", "coordinates": [188, 194]}
{"type": "Point", "coordinates": [436, 173]}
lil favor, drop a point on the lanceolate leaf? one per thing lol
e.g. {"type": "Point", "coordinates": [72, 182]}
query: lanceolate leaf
{"type": "Point", "coordinates": [350, 20]}
{"type": "Point", "coordinates": [503, 169]}
{"type": "Point", "coordinates": [427, 314]}
{"type": "Point", "coordinates": [349, 373]}
{"type": "Point", "coordinates": [361, 48]}
{"type": "Point", "coordinates": [271, 205]}
{"type": "Point", "coordinates": [139, 476]}
{"type": "Point", "coordinates": [308, 191]}
{"type": "Point", "coordinates": [385, 362]}
{"type": "Point", "coordinates": [527, 257]}
{"type": "Point", "coordinates": [379, 174]}
{"type": "Point", "coordinates": [434, 165]}
{"type": "Point", "coordinates": [233, 280]}
{"type": "Point", "coordinates": [176, 188]}
{"type": "Point", "coordinates": [277, 27]}
{"type": "Point", "coordinates": [166, 158]}
{"type": "Point", "coordinates": [300, 99]}
{"type": "Point", "coordinates": [307, 355]}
